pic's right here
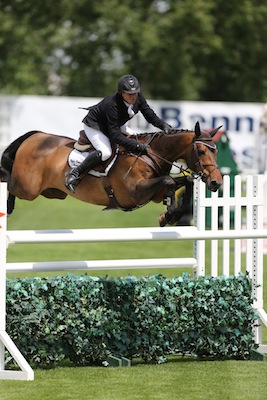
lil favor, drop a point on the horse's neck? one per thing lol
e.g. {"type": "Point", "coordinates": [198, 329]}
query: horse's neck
{"type": "Point", "coordinates": [174, 146]}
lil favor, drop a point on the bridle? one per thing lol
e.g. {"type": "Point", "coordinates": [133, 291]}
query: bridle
{"type": "Point", "coordinates": [198, 163]}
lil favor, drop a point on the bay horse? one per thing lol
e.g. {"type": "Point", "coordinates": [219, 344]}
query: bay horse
{"type": "Point", "coordinates": [36, 163]}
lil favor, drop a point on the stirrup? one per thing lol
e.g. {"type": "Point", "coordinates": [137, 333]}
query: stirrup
{"type": "Point", "coordinates": [71, 187]}
{"type": "Point", "coordinates": [72, 180]}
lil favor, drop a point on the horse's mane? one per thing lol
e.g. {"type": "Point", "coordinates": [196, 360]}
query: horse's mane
{"type": "Point", "coordinates": [172, 131]}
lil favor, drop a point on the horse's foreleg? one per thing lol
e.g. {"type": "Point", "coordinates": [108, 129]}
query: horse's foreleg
{"type": "Point", "coordinates": [175, 212]}
{"type": "Point", "coordinates": [167, 217]}
{"type": "Point", "coordinates": [152, 189]}
{"type": "Point", "coordinates": [157, 189]}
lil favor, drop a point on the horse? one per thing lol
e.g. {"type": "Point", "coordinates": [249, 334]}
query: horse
{"type": "Point", "coordinates": [36, 164]}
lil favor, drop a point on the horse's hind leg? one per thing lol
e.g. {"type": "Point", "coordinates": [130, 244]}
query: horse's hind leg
{"type": "Point", "coordinates": [10, 203]}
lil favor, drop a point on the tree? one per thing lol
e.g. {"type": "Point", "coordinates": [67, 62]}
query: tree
{"type": "Point", "coordinates": [179, 50]}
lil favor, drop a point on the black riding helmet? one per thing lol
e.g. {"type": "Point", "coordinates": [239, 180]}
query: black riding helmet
{"type": "Point", "coordinates": [128, 84]}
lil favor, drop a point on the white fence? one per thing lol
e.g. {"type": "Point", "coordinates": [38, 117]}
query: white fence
{"type": "Point", "coordinates": [245, 203]}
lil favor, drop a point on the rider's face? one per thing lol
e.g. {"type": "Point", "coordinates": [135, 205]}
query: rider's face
{"type": "Point", "coordinates": [130, 98]}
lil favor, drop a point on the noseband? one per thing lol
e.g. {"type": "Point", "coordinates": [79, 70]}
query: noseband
{"type": "Point", "coordinates": [202, 166]}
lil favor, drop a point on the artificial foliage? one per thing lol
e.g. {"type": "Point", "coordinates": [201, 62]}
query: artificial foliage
{"type": "Point", "coordinates": [85, 319]}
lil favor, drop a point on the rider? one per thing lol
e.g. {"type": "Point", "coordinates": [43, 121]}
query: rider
{"type": "Point", "coordinates": [106, 122]}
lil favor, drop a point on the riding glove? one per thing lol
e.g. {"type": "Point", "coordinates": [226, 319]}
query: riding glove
{"type": "Point", "coordinates": [141, 148]}
{"type": "Point", "coordinates": [166, 127]}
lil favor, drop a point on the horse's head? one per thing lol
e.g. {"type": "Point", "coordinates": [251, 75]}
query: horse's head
{"type": "Point", "coordinates": [203, 158]}
{"type": "Point", "coordinates": [196, 148]}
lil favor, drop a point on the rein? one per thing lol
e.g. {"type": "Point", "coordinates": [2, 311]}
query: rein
{"type": "Point", "coordinates": [182, 170]}
{"type": "Point", "coordinates": [139, 155]}
{"type": "Point", "coordinates": [193, 174]}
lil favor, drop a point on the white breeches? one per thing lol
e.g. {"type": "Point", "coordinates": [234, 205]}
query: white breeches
{"type": "Point", "coordinates": [101, 142]}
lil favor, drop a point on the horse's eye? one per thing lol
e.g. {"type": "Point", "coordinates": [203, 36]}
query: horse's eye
{"type": "Point", "coordinates": [201, 153]}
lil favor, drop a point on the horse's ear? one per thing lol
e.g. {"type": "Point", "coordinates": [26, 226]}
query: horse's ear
{"type": "Point", "coordinates": [214, 131]}
{"type": "Point", "coordinates": [197, 129]}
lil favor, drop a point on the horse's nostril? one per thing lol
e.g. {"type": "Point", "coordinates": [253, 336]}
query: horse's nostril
{"type": "Point", "coordinates": [214, 186]}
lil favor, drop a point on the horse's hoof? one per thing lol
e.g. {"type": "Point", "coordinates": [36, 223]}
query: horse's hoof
{"type": "Point", "coordinates": [162, 220]}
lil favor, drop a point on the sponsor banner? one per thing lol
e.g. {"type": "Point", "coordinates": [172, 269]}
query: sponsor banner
{"type": "Point", "coordinates": [62, 115]}
{"type": "Point", "coordinates": [241, 121]}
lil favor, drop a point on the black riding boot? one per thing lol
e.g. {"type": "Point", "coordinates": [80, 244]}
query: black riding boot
{"type": "Point", "coordinates": [74, 175]}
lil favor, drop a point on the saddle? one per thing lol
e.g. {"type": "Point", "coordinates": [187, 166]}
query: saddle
{"type": "Point", "coordinates": [83, 146]}
{"type": "Point", "coordinates": [83, 143]}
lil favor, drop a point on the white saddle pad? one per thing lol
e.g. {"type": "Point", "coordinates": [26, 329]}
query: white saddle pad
{"type": "Point", "coordinates": [76, 157]}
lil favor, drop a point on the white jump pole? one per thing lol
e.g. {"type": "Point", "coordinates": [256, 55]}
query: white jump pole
{"type": "Point", "coordinates": [102, 264]}
{"type": "Point", "coordinates": [6, 343]}
{"type": "Point", "coordinates": [129, 235]}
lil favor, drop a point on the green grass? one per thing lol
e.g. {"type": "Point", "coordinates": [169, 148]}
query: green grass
{"type": "Point", "coordinates": [179, 378]}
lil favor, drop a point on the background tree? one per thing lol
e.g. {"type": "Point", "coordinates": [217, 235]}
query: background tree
{"type": "Point", "coordinates": [179, 50]}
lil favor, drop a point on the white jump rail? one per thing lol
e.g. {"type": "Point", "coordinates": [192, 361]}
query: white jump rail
{"type": "Point", "coordinates": [129, 235]}
{"type": "Point", "coordinates": [102, 264]}
{"type": "Point", "coordinates": [253, 234]}
{"type": "Point", "coordinates": [99, 235]}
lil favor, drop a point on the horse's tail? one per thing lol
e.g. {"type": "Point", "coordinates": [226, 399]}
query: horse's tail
{"type": "Point", "coordinates": [7, 161]}
{"type": "Point", "coordinates": [8, 157]}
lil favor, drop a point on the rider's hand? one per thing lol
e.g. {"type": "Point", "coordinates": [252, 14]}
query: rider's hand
{"type": "Point", "coordinates": [141, 148]}
{"type": "Point", "coordinates": [166, 127]}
